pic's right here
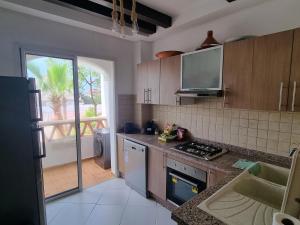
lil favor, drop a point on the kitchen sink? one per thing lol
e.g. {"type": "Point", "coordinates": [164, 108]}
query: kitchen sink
{"type": "Point", "coordinates": [272, 173]}
{"type": "Point", "coordinates": [261, 191]}
{"type": "Point", "coordinates": [251, 198]}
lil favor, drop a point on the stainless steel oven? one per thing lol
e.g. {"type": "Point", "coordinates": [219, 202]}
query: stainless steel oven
{"type": "Point", "coordinates": [183, 182]}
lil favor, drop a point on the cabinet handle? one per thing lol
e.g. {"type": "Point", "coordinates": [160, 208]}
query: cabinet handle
{"type": "Point", "coordinates": [149, 95]}
{"type": "Point", "coordinates": [145, 96]}
{"type": "Point", "coordinates": [280, 96]}
{"type": "Point", "coordinates": [225, 95]}
{"type": "Point", "coordinates": [178, 100]}
{"type": "Point", "coordinates": [294, 96]}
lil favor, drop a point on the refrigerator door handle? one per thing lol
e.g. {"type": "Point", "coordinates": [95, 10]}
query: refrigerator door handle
{"type": "Point", "coordinates": [41, 152]}
{"type": "Point", "coordinates": [38, 92]}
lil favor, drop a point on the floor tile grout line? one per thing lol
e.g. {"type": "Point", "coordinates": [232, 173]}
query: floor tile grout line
{"type": "Point", "coordinates": [125, 206]}
{"type": "Point", "coordinates": [87, 219]}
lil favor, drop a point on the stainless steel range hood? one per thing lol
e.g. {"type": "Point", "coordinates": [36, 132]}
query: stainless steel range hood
{"type": "Point", "coordinates": [199, 93]}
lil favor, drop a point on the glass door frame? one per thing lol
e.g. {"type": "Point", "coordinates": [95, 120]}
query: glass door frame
{"type": "Point", "coordinates": [73, 58]}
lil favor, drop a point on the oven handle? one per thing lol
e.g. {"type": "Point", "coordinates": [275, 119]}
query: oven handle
{"type": "Point", "coordinates": [180, 178]}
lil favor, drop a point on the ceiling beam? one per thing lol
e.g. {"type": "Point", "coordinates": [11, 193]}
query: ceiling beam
{"type": "Point", "coordinates": [148, 14]}
{"type": "Point", "coordinates": [98, 9]}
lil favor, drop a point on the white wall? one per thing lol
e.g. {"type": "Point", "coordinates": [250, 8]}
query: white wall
{"type": "Point", "coordinates": [270, 17]}
{"type": "Point", "coordinates": [22, 30]}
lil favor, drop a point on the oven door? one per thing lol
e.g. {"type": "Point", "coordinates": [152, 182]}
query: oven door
{"type": "Point", "coordinates": [181, 187]}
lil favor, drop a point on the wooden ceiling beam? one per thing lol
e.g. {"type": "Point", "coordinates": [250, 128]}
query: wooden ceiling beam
{"type": "Point", "coordinates": [98, 9]}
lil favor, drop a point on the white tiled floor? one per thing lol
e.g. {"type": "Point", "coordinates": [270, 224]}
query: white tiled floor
{"type": "Point", "coordinates": [109, 203]}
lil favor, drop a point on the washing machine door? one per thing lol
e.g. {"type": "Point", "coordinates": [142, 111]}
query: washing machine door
{"type": "Point", "coordinates": [98, 145]}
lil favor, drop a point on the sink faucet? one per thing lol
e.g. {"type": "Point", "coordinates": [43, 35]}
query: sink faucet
{"type": "Point", "coordinates": [292, 151]}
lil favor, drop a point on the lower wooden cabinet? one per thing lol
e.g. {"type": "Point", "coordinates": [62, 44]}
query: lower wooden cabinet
{"type": "Point", "coordinates": [157, 173]}
{"type": "Point", "coordinates": [120, 151]}
{"type": "Point", "coordinates": [215, 177]}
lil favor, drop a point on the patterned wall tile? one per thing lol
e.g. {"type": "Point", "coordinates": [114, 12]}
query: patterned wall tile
{"type": "Point", "coordinates": [272, 132]}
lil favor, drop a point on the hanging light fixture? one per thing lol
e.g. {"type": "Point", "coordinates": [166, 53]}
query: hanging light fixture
{"type": "Point", "coordinates": [115, 17]}
{"type": "Point", "coordinates": [134, 17]}
{"type": "Point", "coordinates": [118, 24]}
{"type": "Point", "coordinates": [122, 19]}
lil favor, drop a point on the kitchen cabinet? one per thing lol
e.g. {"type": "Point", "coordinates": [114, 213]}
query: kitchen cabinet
{"type": "Point", "coordinates": [214, 177]}
{"type": "Point", "coordinates": [157, 173]}
{"type": "Point", "coordinates": [271, 71]}
{"type": "Point", "coordinates": [120, 155]}
{"type": "Point", "coordinates": [294, 95]}
{"type": "Point", "coordinates": [170, 80]}
{"type": "Point", "coordinates": [147, 82]}
{"type": "Point", "coordinates": [153, 81]}
{"type": "Point", "coordinates": [141, 83]}
{"type": "Point", "coordinates": [237, 73]}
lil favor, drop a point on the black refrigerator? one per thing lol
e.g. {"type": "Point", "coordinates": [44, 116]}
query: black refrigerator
{"type": "Point", "coordinates": [21, 151]}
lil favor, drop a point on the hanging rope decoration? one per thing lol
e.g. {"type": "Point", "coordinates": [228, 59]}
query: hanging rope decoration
{"type": "Point", "coordinates": [122, 20]}
{"type": "Point", "coordinates": [134, 18]}
{"type": "Point", "coordinates": [114, 15]}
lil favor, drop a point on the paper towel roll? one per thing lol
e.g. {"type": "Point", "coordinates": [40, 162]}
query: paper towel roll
{"type": "Point", "coordinates": [284, 219]}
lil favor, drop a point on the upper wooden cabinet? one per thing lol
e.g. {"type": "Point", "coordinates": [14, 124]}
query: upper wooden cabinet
{"type": "Point", "coordinates": [170, 80]}
{"type": "Point", "coordinates": [147, 82]}
{"type": "Point", "coordinates": [141, 83]}
{"type": "Point", "coordinates": [237, 73]}
{"type": "Point", "coordinates": [153, 81]}
{"type": "Point", "coordinates": [294, 95]}
{"type": "Point", "coordinates": [271, 71]}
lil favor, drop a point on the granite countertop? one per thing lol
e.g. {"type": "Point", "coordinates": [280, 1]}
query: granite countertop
{"type": "Point", "coordinates": [189, 213]}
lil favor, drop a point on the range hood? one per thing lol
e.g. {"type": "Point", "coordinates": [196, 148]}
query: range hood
{"type": "Point", "coordinates": [199, 93]}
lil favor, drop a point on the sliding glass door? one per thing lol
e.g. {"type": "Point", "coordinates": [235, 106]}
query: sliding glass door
{"type": "Point", "coordinates": [57, 79]}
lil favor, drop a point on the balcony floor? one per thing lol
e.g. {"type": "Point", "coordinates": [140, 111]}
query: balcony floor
{"type": "Point", "coordinates": [61, 178]}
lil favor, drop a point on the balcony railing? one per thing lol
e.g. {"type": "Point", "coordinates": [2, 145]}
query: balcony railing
{"type": "Point", "coordinates": [66, 128]}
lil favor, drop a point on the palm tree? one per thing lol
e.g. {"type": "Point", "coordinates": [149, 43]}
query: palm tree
{"type": "Point", "coordinates": [55, 83]}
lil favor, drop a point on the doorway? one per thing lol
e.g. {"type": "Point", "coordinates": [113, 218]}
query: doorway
{"type": "Point", "coordinates": [73, 110]}
{"type": "Point", "coordinates": [95, 78]}
{"type": "Point", "coordinates": [56, 77]}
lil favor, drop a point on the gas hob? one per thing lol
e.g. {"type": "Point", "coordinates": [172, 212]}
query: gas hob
{"type": "Point", "coordinates": [200, 150]}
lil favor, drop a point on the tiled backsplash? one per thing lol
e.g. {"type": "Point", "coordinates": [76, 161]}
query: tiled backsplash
{"type": "Point", "coordinates": [272, 132]}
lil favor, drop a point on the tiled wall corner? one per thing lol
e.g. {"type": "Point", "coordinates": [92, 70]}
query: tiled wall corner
{"type": "Point", "coordinates": [274, 132]}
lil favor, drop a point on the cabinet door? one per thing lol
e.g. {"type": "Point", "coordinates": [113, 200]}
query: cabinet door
{"type": "Point", "coordinates": [294, 92]}
{"type": "Point", "coordinates": [169, 80]}
{"type": "Point", "coordinates": [237, 73]}
{"type": "Point", "coordinates": [141, 82]}
{"type": "Point", "coordinates": [120, 148]}
{"type": "Point", "coordinates": [271, 71]}
{"type": "Point", "coordinates": [156, 173]}
{"type": "Point", "coordinates": [214, 177]}
{"type": "Point", "coordinates": [153, 81]}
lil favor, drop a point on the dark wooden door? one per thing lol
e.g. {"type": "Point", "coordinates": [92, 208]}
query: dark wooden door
{"type": "Point", "coordinates": [237, 73]}
{"type": "Point", "coordinates": [169, 80]}
{"type": "Point", "coordinates": [271, 70]}
{"type": "Point", "coordinates": [294, 91]}
{"type": "Point", "coordinates": [153, 75]}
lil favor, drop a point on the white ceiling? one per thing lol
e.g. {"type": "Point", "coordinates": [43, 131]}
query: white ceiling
{"type": "Point", "coordinates": [170, 7]}
{"type": "Point", "coordinates": [185, 13]}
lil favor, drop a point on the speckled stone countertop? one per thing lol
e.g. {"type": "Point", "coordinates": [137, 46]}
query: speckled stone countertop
{"type": "Point", "coordinates": [189, 213]}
